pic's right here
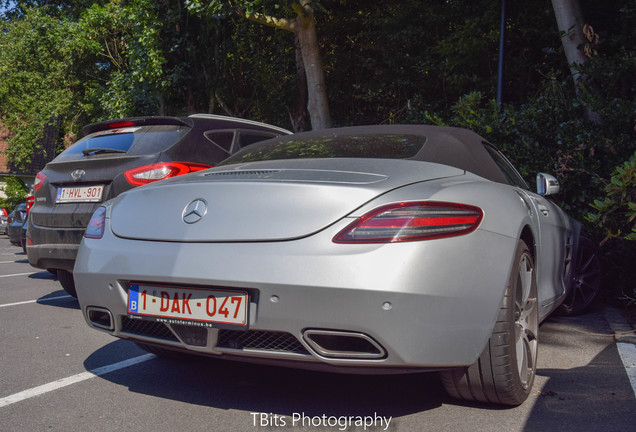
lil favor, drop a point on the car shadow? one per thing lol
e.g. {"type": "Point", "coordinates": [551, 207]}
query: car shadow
{"type": "Point", "coordinates": [581, 385]}
{"type": "Point", "coordinates": [43, 275]}
{"type": "Point", "coordinates": [59, 299]}
{"type": "Point", "coordinates": [595, 395]}
{"type": "Point", "coordinates": [270, 389]}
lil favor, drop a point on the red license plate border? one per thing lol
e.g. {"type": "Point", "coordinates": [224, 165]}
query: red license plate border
{"type": "Point", "coordinates": [191, 322]}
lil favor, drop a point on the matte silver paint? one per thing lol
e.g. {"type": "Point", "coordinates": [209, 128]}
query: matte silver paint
{"type": "Point", "coordinates": [269, 231]}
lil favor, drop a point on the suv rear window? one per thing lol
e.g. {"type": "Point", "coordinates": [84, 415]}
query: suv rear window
{"type": "Point", "coordinates": [135, 140]}
{"type": "Point", "coordinates": [388, 146]}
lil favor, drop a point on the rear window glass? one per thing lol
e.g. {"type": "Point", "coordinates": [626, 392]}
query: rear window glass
{"type": "Point", "coordinates": [231, 141]}
{"type": "Point", "coordinates": [389, 146]}
{"type": "Point", "coordinates": [133, 141]}
{"type": "Point", "coordinates": [222, 139]}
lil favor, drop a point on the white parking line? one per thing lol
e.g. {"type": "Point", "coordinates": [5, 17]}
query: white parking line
{"type": "Point", "coordinates": [627, 352]}
{"type": "Point", "coordinates": [64, 382]}
{"type": "Point", "coordinates": [34, 301]}
{"type": "Point", "coordinates": [8, 262]}
{"type": "Point", "coordinates": [18, 274]}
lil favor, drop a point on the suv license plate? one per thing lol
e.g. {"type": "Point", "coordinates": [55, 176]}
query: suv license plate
{"type": "Point", "coordinates": [193, 306]}
{"type": "Point", "coordinates": [79, 194]}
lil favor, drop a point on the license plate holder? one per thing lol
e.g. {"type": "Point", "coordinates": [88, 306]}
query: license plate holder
{"type": "Point", "coordinates": [201, 307]}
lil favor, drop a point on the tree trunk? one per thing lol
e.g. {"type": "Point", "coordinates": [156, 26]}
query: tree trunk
{"type": "Point", "coordinates": [569, 17]}
{"type": "Point", "coordinates": [298, 117]}
{"type": "Point", "coordinates": [304, 27]}
{"type": "Point", "coordinates": [317, 103]}
{"type": "Point", "coordinates": [191, 105]}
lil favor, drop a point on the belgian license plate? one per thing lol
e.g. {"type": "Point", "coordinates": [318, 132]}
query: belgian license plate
{"type": "Point", "coordinates": [191, 306]}
{"type": "Point", "coordinates": [80, 194]}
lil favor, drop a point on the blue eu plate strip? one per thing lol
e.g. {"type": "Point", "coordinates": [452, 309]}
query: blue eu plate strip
{"type": "Point", "coordinates": [133, 298]}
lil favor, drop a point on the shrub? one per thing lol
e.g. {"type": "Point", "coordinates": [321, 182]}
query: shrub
{"type": "Point", "coordinates": [15, 191]}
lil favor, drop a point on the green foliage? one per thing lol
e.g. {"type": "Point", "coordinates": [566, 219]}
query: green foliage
{"type": "Point", "coordinates": [586, 139]}
{"type": "Point", "coordinates": [15, 191]}
{"type": "Point", "coordinates": [40, 60]}
{"type": "Point", "coordinates": [67, 63]}
{"type": "Point", "coordinates": [616, 212]}
{"type": "Point", "coordinates": [127, 33]}
{"type": "Point", "coordinates": [216, 8]}
{"type": "Point", "coordinates": [129, 58]}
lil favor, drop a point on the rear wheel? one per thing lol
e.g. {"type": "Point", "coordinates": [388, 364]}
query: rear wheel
{"type": "Point", "coordinates": [68, 283]}
{"type": "Point", "coordinates": [586, 279]}
{"type": "Point", "coordinates": [504, 372]}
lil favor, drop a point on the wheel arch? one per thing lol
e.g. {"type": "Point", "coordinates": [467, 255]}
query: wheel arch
{"type": "Point", "coordinates": [528, 237]}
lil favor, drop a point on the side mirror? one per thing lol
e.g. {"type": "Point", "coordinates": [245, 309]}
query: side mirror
{"type": "Point", "coordinates": [547, 184]}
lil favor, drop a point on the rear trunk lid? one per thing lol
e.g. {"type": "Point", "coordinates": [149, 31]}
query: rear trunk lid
{"type": "Point", "coordinates": [262, 201]}
{"type": "Point", "coordinates": [96, 171]}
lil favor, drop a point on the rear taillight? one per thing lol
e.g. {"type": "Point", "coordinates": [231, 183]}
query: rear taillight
{"type": "Point", "coordinates": [29, 203]}
{"type": "Point", "coordinates": [160, 171]}
{"type": "Point", "coordinates": [39, 181]}
{"type": "Point", "coordinates": [412, 221]}
{"type": "Point", "coordinates": [95, 228]}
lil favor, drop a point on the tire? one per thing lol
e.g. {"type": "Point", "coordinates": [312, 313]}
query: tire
{"type": "Point", "coordinates": [504, 372]}
{"type": "Point", "coordinates": [586, 279]}
{"type": "Point", "coordinates": [68, 283]}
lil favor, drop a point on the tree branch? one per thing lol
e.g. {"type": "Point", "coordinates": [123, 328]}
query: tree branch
{"type": "Point", "coordinates": [279, 23]}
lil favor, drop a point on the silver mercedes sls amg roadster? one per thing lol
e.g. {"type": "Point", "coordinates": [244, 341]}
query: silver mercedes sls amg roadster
{"type": "Point", "coordinates": [373, 249]}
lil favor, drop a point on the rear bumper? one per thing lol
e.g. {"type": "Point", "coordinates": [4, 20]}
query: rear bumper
{"type": "Point", "coordinates": [53, 248]}
{"type": "Point", "coordinates": [52, 256]}
{"type": "Point", "coordinates": [426, 305]}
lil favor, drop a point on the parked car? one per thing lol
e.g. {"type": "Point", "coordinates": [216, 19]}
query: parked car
{"type": "Point", "coordinates": [4, 214]}
{"type": "Point", "coordinates": [384, 249]}
{"type": "Point", "coordinates": [15, 221]}
{"type": "Point", "coordinates": [113, 157]}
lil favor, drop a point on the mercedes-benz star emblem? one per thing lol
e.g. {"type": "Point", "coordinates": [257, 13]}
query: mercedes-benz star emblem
{"type": "Point", "coordinates": [194, 211]}
{"type": "Point", "coordinates": [78, 174]}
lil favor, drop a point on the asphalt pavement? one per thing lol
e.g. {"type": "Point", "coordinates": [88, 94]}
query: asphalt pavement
{"type": "Point", "coordinates": [57, 374]}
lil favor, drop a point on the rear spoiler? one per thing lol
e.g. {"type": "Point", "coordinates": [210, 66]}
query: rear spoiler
{"type": "Point", "coordinates": [136, 121]}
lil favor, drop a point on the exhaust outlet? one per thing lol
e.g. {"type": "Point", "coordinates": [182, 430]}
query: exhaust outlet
{"type": "Point", "coordinates": [344, 345]}
{"type": "Point", "coordinates": [100, 318]}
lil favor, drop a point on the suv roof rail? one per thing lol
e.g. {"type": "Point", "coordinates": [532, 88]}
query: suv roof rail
{"type": "Point", "coordinates": [240, 120]}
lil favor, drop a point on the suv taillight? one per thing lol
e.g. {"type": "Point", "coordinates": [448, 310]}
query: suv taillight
{"type": "Point", "coordinates": [160, 171]}
{"type": "Point", "coordinates": [412, 221]}
{"type": "Point", "coordinates": [39, 181]}
{"type": "Point", "coordinates": [29, 203]}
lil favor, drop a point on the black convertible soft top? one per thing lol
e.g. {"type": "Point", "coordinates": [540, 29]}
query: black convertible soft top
{"type": "Point", "coordinates": [456, 147]}
{"type": "Point", "coordinates": [460, 148]}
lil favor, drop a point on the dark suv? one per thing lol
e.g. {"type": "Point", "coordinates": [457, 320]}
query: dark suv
{"type": "Point", "coordinates": [116, 156]}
